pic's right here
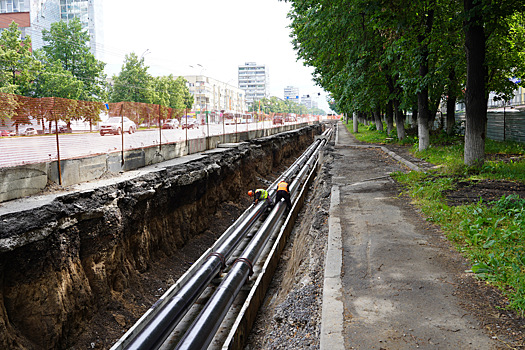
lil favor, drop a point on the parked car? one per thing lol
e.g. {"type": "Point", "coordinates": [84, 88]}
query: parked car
{"type": "Point", "coordinates": [190, 124]}
{"type": "Point", "coordinates": [278, 120]}
{"type": "Point", "coordinates": [61, 129]}
{"type": "Point", "coordinates": [171, 124]}
{"type": "Point", "coordinates": [116, 125]}
{"type": "Point", "coordinates": [4, 133]}
{"type": "Point", "coordinates": [29, 131]}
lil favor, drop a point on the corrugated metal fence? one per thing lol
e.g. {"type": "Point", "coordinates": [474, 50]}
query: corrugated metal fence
{"type": "Point", "coordinates": [508, 125]}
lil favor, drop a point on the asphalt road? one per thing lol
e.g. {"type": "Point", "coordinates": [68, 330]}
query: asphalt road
{"type": "Point", "coordinates": [42, 148]}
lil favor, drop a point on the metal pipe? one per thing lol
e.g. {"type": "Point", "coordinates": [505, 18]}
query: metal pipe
{"type": "Point", "coordinates": [166, 319]}
{"type": "Point", "coordinates": [162, 324]}
{"type": "Point", "coordinates": [203, 329]}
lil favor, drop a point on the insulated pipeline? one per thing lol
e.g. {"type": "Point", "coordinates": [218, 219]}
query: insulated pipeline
{"type": "Point", "coordinates": [158, 328]}
{"type": "Point", "coordinates": [203, 329]}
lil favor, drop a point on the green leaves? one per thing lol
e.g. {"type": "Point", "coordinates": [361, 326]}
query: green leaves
{"type": "Point", "coordinates": [17, 65]}
{"type": "Point", "coordinates": [135, 84]}
{"type": "Point", "coordinates": [67, 43]}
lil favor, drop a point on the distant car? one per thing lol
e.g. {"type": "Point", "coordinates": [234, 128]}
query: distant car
{"type": "Point", "coordinates": [4, 133]}
{"type": "Point", "coordinates": [171, 124]}
{"type": "Point", "coordinates": [116, 125]}
{"type": "Point", "coordinates": [61, 129]}
{"type": "Point", "coordinates": [29, 131]}
{"type": "Point", "coordinates": [190, 124]}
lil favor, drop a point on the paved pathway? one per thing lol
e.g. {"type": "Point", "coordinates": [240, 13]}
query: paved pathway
{"type": "Point", "coordinates": [389, 282]}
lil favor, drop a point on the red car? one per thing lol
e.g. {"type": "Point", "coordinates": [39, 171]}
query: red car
{"type": "Point", "coordinates": [4, 133]}
{"type": "Point", "coordinates": [190, 124]}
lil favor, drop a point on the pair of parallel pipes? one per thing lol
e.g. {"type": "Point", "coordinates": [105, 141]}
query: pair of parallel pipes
{"type": "Point", "coordinates": [153, 335]}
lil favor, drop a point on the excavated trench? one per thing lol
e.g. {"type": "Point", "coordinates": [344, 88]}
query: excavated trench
{"type": "Point", "coordinates": [78, 272]}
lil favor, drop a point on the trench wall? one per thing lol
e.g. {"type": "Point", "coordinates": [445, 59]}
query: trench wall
{"type": "Point", "coordinates": [20, 181]}
{"type": "Point", "coordinates": [63, 262]}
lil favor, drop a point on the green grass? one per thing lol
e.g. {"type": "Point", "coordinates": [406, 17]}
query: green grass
{"type": "Point", "coordinates": [491, 235]}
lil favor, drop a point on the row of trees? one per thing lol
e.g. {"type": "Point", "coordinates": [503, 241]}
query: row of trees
{"type": "Point", "coordinates": [276, 105]}
{"type": "Point", "coordinates": [135, 84]}
{"type": "Point", "coordinates": [383, 55]}
{"type": "Point", "coordinates": [64, 67]}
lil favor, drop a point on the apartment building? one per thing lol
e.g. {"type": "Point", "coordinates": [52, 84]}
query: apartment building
{"type": "Point", "coordinates": [291, 93]}
{"type": "Point", "coordinates": [33, 16]}
{"type": "Point", "coordinates": [254, 79]}
{"type": "Point", "coordinates": [215, 96]}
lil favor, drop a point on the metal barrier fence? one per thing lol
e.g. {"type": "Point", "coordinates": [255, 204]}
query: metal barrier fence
{"type": "Point", "coordinates": [58, 129]}
{"type": "Point", "coordinates": [504, 124]}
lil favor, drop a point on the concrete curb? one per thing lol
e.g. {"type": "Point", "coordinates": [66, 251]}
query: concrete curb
{"type": "Point", "coordinates": [332, 314]}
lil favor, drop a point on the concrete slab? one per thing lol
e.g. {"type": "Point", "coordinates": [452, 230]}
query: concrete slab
{"type": "Point", "coordinates": [27, 203]}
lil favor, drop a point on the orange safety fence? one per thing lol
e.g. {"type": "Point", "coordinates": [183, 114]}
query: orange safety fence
{"type": "Point", "coordinates": [49, 114]}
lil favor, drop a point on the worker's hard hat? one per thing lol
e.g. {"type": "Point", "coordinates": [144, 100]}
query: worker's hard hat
{"type": "Point", "coordinates": [250, 193]}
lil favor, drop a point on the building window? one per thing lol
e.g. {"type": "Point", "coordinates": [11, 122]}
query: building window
{"type": "Point", "coordinates": [7, 6]}
{"type": "Point", "coordinates": [70, 9]}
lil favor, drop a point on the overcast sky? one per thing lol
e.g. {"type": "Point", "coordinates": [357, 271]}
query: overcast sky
{"type": "Point", "coordinates": [218, 35]}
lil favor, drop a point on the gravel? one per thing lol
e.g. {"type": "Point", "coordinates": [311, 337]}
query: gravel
{"type": "Point", "coordinates": [290, 317]}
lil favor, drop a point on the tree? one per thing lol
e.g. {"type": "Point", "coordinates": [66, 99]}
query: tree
{"type": "Point", "coordinates": [487, 25]}
{"type": "Point", "coordinates": [67, 43]}
{"type": "Point", "coordinates": [54, 81]}
{"type": "Point", "coordinates": [17, 65]}
{"type": "Point", "coordinates": [133, 83]}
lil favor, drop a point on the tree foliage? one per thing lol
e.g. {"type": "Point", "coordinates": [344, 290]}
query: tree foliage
{"type": "Point", "coordinates": [67, 43]}
{"type": "Point", "coordinates": [17, 65]}
{"type": "Point", "coordinates": [133, 83]}
{"type": "Point", "coordinates": [276, 105]}
{"type": "Point", "coordinates": [403, 55]}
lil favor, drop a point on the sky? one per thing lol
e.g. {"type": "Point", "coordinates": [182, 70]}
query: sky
{"type": "Point", "coordinates": [214, 37]}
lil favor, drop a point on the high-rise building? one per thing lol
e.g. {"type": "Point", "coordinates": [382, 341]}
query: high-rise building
{"type": "Point", "coordinates": [254, 79]}
{"type": "Point", "coordinates": [33, 16]}
{"type": "Point", "coordinates": [291, 93]}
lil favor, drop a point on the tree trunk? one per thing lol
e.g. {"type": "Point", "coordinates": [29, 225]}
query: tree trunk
{"type": "Point", "coordinates": [414, 116]}
{"type": "Point", "coordinates": [389, 117]}
{"type": "Point", "coordinates": [400, 120]}
{"type": "Point", "coordinates": [422, 96]}
{"type": "Point", "coordinates": [475, 94]}
{"type": "Point", "coordinates": [377, 118]}
{"type": "Point", "coordinates": [355, 122]}
{"type": "Point", "coordinates": [423, 118]}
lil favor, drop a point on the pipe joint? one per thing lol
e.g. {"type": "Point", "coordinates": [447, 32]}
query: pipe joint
{"type": "Point", "coordinates": [221, 258]}
{"type": "Point", "coordinates": [247, 262]}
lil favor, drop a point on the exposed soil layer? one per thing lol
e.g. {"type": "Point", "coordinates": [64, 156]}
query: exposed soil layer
{"type": "Point", "coordinates": [485, 190]}
{"type": "Point", "coordinates": [78, 272]}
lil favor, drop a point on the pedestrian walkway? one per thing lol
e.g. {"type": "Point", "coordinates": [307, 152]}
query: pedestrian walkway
{"type": "Point", "coordinates": [389, 283]}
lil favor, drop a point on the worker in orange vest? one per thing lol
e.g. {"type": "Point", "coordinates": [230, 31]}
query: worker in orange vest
{"type": "Point", "coordinates": [283, 193]}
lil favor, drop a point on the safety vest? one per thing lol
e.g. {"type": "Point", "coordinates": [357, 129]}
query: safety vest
{"type": "Point", "coordinates": [264, 193]}
{"type": "Point", "coordinates": [282, 186]}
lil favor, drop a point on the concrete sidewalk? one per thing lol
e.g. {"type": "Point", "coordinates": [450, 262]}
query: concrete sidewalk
{"type": "Point", "coordinates": [389, 280]}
